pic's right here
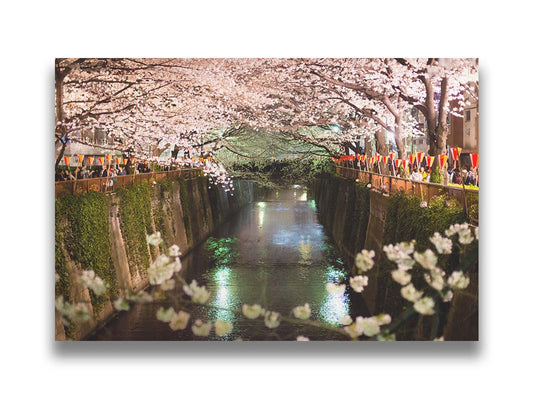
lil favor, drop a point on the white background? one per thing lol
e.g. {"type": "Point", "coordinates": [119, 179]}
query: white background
{"type": "Point", "coordinates": [34, 33]}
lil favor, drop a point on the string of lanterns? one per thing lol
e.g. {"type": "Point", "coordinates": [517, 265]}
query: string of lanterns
{"type": "Point", "coordinates": [413, 159]}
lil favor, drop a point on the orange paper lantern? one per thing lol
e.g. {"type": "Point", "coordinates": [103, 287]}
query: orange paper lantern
{"type": "Point", "coordinates": [474, 159]}
{"type": "Point", "coordinates": [442, 160]}
{"type": "Point", "coordinates": [80, 158]}
{"type": "Point", "coordinates": [456, 152]}
{"type": "Point", "coordinates": [67, 160]}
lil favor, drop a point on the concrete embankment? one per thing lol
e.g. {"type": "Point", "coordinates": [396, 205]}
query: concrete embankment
{"type": "Point", "coordinates": [106, 233]}
{"type": "Point", "coordinates": [359, 217]}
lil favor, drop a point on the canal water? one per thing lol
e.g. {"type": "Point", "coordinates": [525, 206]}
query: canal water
{"type": "Point", "coordinates": [274, 253]}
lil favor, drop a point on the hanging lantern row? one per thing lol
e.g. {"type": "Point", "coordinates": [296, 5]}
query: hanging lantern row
{"type": "Point", "coordinates": [413, 159]}
{"type": "Point", "coordinates": [90, 160]}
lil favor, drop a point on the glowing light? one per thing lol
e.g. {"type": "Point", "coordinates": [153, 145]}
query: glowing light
{"type": "Point", "coordinates": [261, 204]}
{"type": "Point", "coordinates": [335, 275]}
{"type": "Point", "coordinates": [222, 275]}
{"type": "Point", "coordinates": [334, 307]}
{"type": "Point", "coordinates": [261, 218]}
{"type": "Point", "coordinates": [305, 248]}
{"type": "Point", "coordinates": [223, 298]}
{"type": "Point", "coordinates": [303, 197]}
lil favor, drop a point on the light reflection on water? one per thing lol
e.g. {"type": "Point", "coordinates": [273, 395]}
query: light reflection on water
{"type": "Point", "coordinates": [334, 307]}
{"type": "Point", "coordinates": [223, 295]}
{"type": "Point", "coordinates": [291, 227]}
{"type": "Point", "coordinates": [274, 253]}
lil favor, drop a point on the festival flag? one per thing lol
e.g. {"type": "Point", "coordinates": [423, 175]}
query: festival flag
{"type": "Point", "coordinates": [67, 160]}
{"type": "Point", "coordinates": [419, 157]}
{"type": "Point", "coordinates": [429, 161]}
{"type": "Point", "coordinates": [101, 159]}
{"type": "Point", "coordinates": [391, 155]}
{"type": "Point", "coordinates": [358, 157]}
{"type": "Point", "coordinates": [117, 160]}
{"type": "Point", "coordinates": [442, 160]}
{"type": "Point", "coordinates": [90, 160]}
{"type": "Point", "coordinates": [397, 163]}
{"type": "Point", "coordinates": [80, 158]}
{"type": "Point", "coordinates": [386, 159]}
{"type": "Point", "coordinates": [363, 157]}
{"type": "Point", "coordinates": [125, 161]}
{"type": "Point", "coordinates": [411, 159]}
{"type": "Point", "coordinates": [456, 151]}
{"type": "Point", "coordinates": [474, 159]}
{"type": "Point", "coordinates": [404, 162]}
{"type": "Point", "coordinates": [376, 155]}
{"type": "Point", "coordinates": [379, 157]}
{"type": "Point", "coordinates": [108, 158]}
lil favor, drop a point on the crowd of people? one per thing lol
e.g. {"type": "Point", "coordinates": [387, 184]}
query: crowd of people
{"type": "Point", "coordinates": [465, 174]}
{"type": "Point", "coordinates": [100, 172]}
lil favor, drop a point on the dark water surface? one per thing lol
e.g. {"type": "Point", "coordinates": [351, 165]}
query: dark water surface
{"type": "Point", "coordinates": [274, 253]}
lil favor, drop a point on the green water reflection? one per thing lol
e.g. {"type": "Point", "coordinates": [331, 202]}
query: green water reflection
{"type": "Point", "coordinates": [286, 251]}
{"type": "Point", "coordinates": [220, 279]}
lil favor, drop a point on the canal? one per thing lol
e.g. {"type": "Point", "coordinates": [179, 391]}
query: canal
{"type": "Point", "coordinates": [272, 252]}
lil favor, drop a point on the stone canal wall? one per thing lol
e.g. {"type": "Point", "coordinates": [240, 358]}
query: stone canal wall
{"type": "Point", "coordinates": [358, 217]}
{"type": "Point", "coordinates": [107, 234]}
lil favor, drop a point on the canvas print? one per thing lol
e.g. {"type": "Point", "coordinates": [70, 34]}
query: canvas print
{"type": "Point", "coordinates": [266, 199]}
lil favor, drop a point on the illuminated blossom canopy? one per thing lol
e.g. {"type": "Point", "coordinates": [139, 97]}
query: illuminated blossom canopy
{"type": "Point", "coordinates": [198, 105]}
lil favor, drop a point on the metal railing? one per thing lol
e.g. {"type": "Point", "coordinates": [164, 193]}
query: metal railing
{"type": "Point", "coordinates": [424, 190]}
{"type": "Point", "coordinates": [110, 184]}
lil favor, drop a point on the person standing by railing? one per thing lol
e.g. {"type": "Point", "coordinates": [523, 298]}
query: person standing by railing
{"type": "Point", "coordinates": [415, 175]}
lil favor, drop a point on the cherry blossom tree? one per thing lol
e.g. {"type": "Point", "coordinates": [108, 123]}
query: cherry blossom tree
{"type": "Point", "coordinates": [196, 105]}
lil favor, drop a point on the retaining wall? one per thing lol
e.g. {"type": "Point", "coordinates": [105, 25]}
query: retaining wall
{"type": "Point", "coordinates": [358, 217]}
{"type": "Point", "coordinates": [107, 233]}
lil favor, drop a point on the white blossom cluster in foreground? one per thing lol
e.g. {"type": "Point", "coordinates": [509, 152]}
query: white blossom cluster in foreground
{"type": "Point", "coordinates": [406, 259]}
{"type": "Point", "coordinates": [164, 273]}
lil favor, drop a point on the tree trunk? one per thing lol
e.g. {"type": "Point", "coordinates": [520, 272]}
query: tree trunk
{"type": "Point", "coordinates": [59, 130]}
{"type": "Point", "coordinates": [437, 125]}
{"type": "Point", "coordinates": [398, 130]}
{"type": "Point", "coordinates": [175, 152]}
{"type": "Point", "coordinates": [381, 145]}
{"type": "Point", "coordinates": [368, 147]}
{"type": "Point", "coordinates": [441, 134]}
